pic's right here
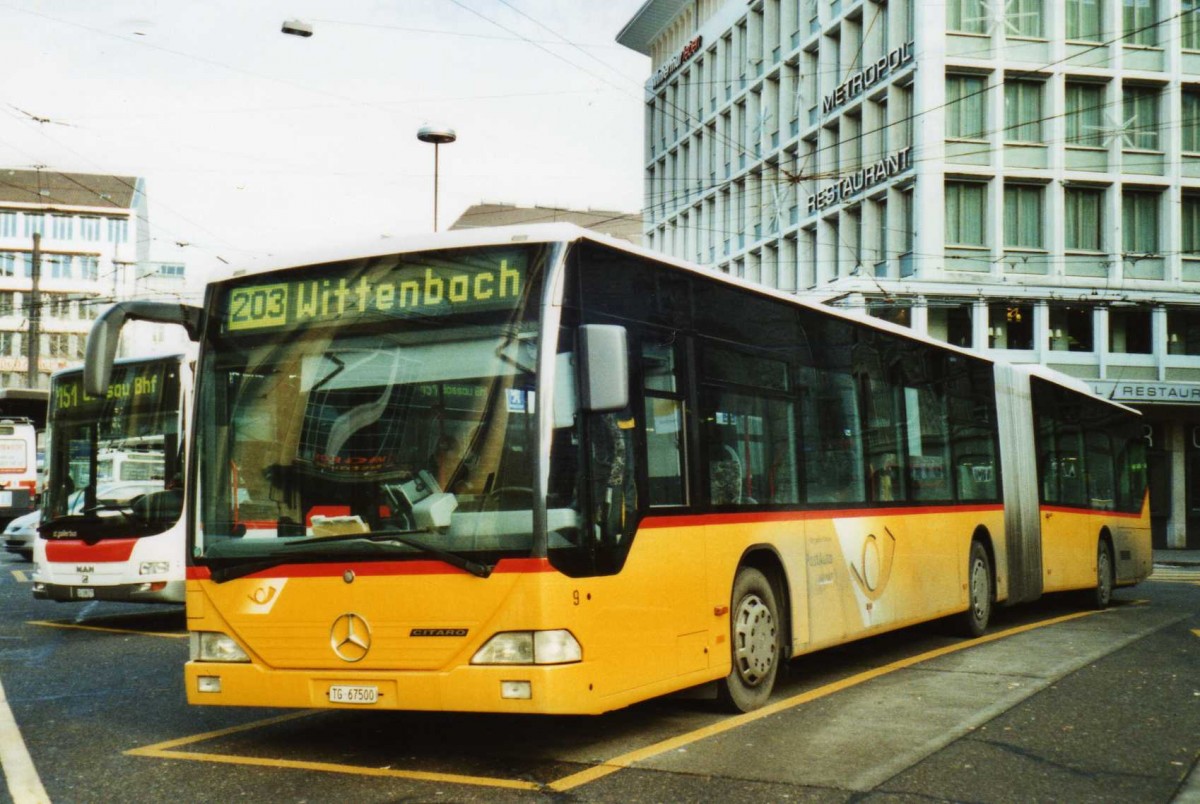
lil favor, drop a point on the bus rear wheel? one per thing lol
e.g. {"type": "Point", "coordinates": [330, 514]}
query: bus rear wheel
{"type": "Point", "coordinates": [754, 632]}
{"type": "Point", "coordinates": [979, 591]}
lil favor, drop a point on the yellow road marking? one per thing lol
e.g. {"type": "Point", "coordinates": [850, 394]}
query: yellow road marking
{"type": "Point", "coordinates": [1196, 631]}
{"type": "Point", "coordinates": [626, 760]}
{"type": "Point", "coordinates": [212, 735]}
{"type": "Point", "coordinates": [164, 750]}
{"type": "Point", "coordinates": [77, 626]}
{"type": "Point", "coordinates": [335, 767]}
{"type": "Point", "coordinates": [20, 576]}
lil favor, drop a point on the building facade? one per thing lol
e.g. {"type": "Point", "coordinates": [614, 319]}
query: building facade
{"type": "Point", "coordinates": [1021, 177]}
{"type": "Point", "coordinates": [93, 248]}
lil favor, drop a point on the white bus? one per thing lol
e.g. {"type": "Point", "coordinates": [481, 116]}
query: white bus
{"type": "Point", "coordinates": [112, 525]}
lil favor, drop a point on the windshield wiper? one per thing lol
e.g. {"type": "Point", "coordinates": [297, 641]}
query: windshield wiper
{"type": "Point", "coordinates": [122, 508]}
{"type": "Point", "coordinates": [453, 559]}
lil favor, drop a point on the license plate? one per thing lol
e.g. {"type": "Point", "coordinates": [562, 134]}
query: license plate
{"type": "Point", "coordinates": [83, 593]}
{"type": "Point", "coordinates": [346, 694]}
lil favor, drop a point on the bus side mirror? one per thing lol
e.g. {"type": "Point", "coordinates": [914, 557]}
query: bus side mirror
{"type": "Point", "coordinates": [604, 366]}
{"type": "Point", "coordinates": [102, 340]}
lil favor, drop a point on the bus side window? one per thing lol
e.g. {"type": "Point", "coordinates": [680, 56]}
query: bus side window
{"type": "Point", "coordinates": [665, 453]}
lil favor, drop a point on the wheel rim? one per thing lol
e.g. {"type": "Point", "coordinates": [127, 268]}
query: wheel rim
{"type": "Point", "coordinates": [980, 597]}
{"type": "Point", "coordinates": [754, 640]}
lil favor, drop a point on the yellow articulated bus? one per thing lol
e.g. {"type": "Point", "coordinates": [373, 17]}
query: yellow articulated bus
{"type": "Point", "coordinates": [539, 470]}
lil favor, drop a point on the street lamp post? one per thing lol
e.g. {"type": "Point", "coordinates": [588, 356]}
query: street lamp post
{"type": "Point", "coordinates": [438, 135]}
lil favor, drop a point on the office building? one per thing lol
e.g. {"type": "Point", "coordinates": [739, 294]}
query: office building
{"type": "Point", "coordinates": [1021, 177]}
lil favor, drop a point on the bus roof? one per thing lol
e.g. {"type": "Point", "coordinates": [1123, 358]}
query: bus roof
{"type": "Point", "coordinates": [570, 233]}
{"type": "Point", "coordinates": [25, 403]}
{"type": "Point", "coordinates": [123, 361]}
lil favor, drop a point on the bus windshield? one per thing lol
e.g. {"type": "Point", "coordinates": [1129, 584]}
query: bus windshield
{"type": "Point", "coordinates": [117, 459]}
{"type": "Point", "coordinates": [398, 424]}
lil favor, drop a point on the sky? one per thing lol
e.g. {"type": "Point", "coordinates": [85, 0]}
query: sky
{"type": "Point", "coordinates": [258, 146]}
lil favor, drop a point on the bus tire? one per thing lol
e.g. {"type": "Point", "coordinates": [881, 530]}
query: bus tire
{"type": "Point", "coordinates": [979, 591]}
{"type": "Point", "coordinates": [1101, 596]}
{"type": "Point", "coordinates": [754, 635]}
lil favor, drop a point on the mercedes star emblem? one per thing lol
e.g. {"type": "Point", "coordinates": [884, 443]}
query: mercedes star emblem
{"type": "Point", "coordinates": [350, 638]}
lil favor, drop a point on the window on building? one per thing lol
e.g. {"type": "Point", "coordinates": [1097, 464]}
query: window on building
{"type": "Point", "coordinates": [8, 347]}
{"type": "Point", "coordinates": [57, 266]}
{"type": "Point", "coordinates": [1141, 22]}
{"type": "Point", "coordinates": [1085, 114]}
{"type": "Point", "coordinates": [1189, 24]}
{"type": "Point", "coordinates": [904, 113]}
{"type": "Point", "coordinates": [1190, 119]}
{"type": "Point", "coordinates": [118, 230]}
{"type": "Point", "coordinates": [59, 345]}
{"type": "Point", "coordinates": [967, 16]}
{"type": "Point", "coordinates": [89, 267]}
{"type": "Point", "coordinates": [1140, 109]}
{"type": "Point", "coordinates": [1140, 221]}
{"type": "Point", "coordinates": [965, 115]}
{"type": "Point", "coordinates": [89, 228]}
{"type": "Point", "coordinates": [958, 325]}
{"type": "Point", "coordinates": [1084, 218]}
{"type": "Point", "coordinates": [1183, 332]}
{"type": "Point", "coordinates": [1129, 331]}
{"type": "Point", "coordinates": [1190, 224]}
{"type": "Point", "coordinates": [1071, 328]}
{"type": "Point", "coordinates": [891, 310]}
{"type": "Point", "coordinates": [8, 224]}
{"type": "Point", "coordinates": [1023, 17]}
{"type": "Point", "coordinates": [34, 224]}
{"type": "Point", "coordinates": [1010, 326]}
{"type": "Point", "coordinates": [170, 269]}
{"type": "Point", "coordinates": [1023, 212]}
{"type": "Point", "coordinates": [966, 203]}
{"type": "Point", "coordinates": [1022, 111]}
{"type": "Point", "coordinates": [8, 263]}
{"type": "Point", "coordinates": [62, 227]}
{"type": "Point", "coordinates": [1084, 20]}
{"type": "Point", "coordinates": [8, 302]}
{"type": "Point", "coordinates": [907, 222]}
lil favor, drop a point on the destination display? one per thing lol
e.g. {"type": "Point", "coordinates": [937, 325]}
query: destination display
{"type": "Point", "coordinates": [141, 389]}
{"type": "Point", "coordinates": [491, 279]}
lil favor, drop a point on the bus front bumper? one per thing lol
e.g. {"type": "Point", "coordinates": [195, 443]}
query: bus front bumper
{"type": "Point", "coordinates": [144, 592]}
{"type": "Point", "coordinates": [555, 689]}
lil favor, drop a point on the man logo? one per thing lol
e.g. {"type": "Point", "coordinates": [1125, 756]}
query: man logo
{"type": "Point", "coordinates": [350, 638]}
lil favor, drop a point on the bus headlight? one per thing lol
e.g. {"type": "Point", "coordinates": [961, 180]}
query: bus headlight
{"type": "Point", "coordinates": [530, 647]}
{"type": "Point", "coordinates": [211, 646]}
{"type": "Point", "coordinates": [154, 567]}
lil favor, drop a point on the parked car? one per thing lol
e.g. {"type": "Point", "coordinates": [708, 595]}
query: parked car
{"type": "Point", "coordinates": [20, 533]}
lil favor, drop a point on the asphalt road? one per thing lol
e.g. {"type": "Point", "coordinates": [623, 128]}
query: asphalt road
{"type": "Point", "coordinates": [1055, 703]}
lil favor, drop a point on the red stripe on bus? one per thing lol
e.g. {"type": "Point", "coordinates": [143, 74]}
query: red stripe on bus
{"type": "Point", "coordinates": [748, 517]}
{"type": "Point", "coordinates": [78, 550]}
{"type": "Point", "coordinates": [367, 568]}
{"type": "Point", "coordinates": [1067, 509]}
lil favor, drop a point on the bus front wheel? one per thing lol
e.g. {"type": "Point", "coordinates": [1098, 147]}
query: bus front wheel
{"type": "Point", "coordinates": [1101, 596]}
{"type": "Point", "coordinates": [979, 591]}
{"type": "Point", "coordinates": [754, 632]}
